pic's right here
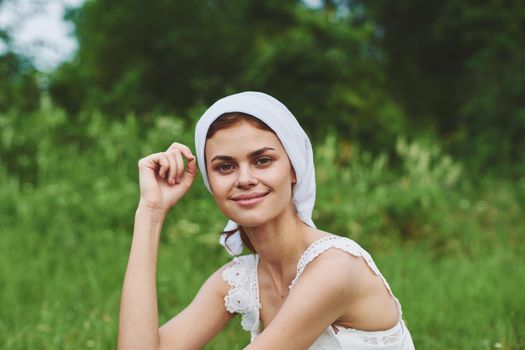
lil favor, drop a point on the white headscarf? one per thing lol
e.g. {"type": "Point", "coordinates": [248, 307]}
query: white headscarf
{"type": "Point", "coordinates": [292, 136]}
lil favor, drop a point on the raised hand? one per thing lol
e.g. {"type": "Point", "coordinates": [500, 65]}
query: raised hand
{"type": "Point", "coordinates": [164, 179]}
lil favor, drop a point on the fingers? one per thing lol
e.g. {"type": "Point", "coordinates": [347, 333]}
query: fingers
{"type": "Point", "coordinates": [191, 167]}
{"type": "Point", "coordinates": [164, 164]}
{"type": "Point", "coordinates": [179, 146]}
{"type": "Point", "coordinates": [158, 162]}
{"type": "Point", "coordinates": [175, 155]}
{"type": "Point", "coordinates": [180, 166]}
{"type": "Point", "coordinates": [191, 173]}
{"type": "Point", "coordinates": [171, 171]}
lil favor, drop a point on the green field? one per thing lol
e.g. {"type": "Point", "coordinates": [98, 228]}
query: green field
{"type": "Point", "coordinates": [451, 244]}
{"type": "Point", "coordinates": [415, 109]}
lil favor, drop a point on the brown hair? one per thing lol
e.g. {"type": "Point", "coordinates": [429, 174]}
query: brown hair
{"type": "Point", "coordinates": [225, 121]}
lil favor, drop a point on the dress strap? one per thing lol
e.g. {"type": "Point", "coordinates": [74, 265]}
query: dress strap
{"type": "Point", "coordinates": [243, 295]}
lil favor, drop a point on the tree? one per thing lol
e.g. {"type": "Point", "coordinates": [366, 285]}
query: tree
{"type": "Point", "coordinates": [18, 84]}
{"type": "Point", "coordinates": [172, 56]}
{"type": "Point", "coordinates": [457, 67]}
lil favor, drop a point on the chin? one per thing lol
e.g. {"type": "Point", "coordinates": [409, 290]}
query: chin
{"type": "Point", "coordinates": [250, 220]}
{"type": "Point", "coordinates": [255, 216]}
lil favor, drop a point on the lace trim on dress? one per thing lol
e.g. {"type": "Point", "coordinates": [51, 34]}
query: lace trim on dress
{"type": "Point", "coordinates": [243, 296]}
{"type": "Point", "coordinates": [387, 337]}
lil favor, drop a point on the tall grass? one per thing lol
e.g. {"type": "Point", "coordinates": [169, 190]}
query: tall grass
{"type": "Point", "coordinates": [453, 252]}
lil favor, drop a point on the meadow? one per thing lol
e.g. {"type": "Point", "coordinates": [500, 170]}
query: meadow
{"type": "Point", "coordinates": [450, 242]}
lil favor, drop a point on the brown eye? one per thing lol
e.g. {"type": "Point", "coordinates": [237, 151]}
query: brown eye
{"type": "Point", "coordinates": [263, 161]}
{"type": "Point", "coordinates": [224, 168]}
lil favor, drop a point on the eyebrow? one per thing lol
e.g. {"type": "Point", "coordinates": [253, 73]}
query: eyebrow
{"type": "Point", "coordinates": [253, 154]}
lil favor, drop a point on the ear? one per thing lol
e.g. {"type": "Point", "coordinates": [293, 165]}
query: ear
{"type": "Point", "coordinates": [294, 178]}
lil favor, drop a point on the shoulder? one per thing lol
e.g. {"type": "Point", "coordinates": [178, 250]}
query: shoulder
{"type": "Point", "coordinates": [325, 290]}
{"type": "Point", "coordinates": [216, 283]}
{"type": "Point", "coordinates": [340, 269]}
{"type": "Point", "coordinates": [339, 263]}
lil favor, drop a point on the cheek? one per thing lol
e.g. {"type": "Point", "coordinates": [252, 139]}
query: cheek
{"type": "Point", "coordinates": [220, 185]}
{"type": "Point", "coordinates": [212, 180]}
{"type": "Point", "coordinates": [282, 178]}
{"type": "Point", "coordinates": [214, 185]}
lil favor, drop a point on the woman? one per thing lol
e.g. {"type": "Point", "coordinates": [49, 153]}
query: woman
{"type": "Point", "coordinates": [301, 288]}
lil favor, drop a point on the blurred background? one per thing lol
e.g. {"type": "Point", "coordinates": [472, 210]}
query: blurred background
{"type": "Point", "coordinates": [416, 110]}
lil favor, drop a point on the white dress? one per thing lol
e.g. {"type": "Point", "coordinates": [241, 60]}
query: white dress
{"type": "Point", "coordinates": [243, 298]}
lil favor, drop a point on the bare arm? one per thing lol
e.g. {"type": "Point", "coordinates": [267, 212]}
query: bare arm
{"type": "Point", "coordinates": [138, 326]}
{"type": "Point", "coordinates": [319, 298]}
{"type": "Point", "coordinates": [163, 181]}
{"type": "Point", "coordinates": [198, 323]}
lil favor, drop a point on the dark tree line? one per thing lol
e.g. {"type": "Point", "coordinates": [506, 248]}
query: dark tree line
{"type": "Point", "coordinates": [171, 57]}
{"type": "Point", "coordinates": [460, 67]}
{"type": "Point", "coordinates": [19, 87]}
{"type": "Point", "coordinates": [368, 70]}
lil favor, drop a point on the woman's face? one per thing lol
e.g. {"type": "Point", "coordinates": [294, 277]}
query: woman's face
{"type": "Point", "coordinates": [249, 173]}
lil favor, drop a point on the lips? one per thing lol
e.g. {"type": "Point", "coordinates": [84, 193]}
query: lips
{"type": "Point", "coordinates": [249, 196]}
{"type": "Point", "coordinates": [248, 200]}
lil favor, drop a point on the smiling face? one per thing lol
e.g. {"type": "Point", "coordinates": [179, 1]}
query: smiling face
{"type": "Point", "coordinates": [249, 173]}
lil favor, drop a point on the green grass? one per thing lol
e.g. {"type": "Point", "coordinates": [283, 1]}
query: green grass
{"type": "Point", "coordinates": [451, 248]}
{"type": "Point", "coordinates": [63, 293]}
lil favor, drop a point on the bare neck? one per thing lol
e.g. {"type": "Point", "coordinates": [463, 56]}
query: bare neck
{"type": "Point", "coordinates": [280, 244]}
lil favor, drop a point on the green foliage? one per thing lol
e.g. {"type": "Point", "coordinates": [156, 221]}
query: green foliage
{"type": "Point", "coordinates": [167, 55]}
{"type": "Point", "coordinates": [174, 56]}
{"type": "Point", "coordinates": [18, 83]}
{"type": "Point", "coordinates": [387, 90]}
{"type": "Point", "coordinates": [365, 70]}
{"type": "Point", "coordinates": [449, 250]}
{"type": "Point", "coordinates": [18, 78]}
{"type": "Point", "coordinates": [376, 198]}
{"type": "Point", "coordinates": [457, 67]}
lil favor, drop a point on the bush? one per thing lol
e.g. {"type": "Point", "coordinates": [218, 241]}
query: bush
{"type": "Point", "coordinates": [363, 196]}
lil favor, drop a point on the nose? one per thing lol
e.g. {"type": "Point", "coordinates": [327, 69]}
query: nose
{"type": "Point", "coordinates": [245, 178]}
